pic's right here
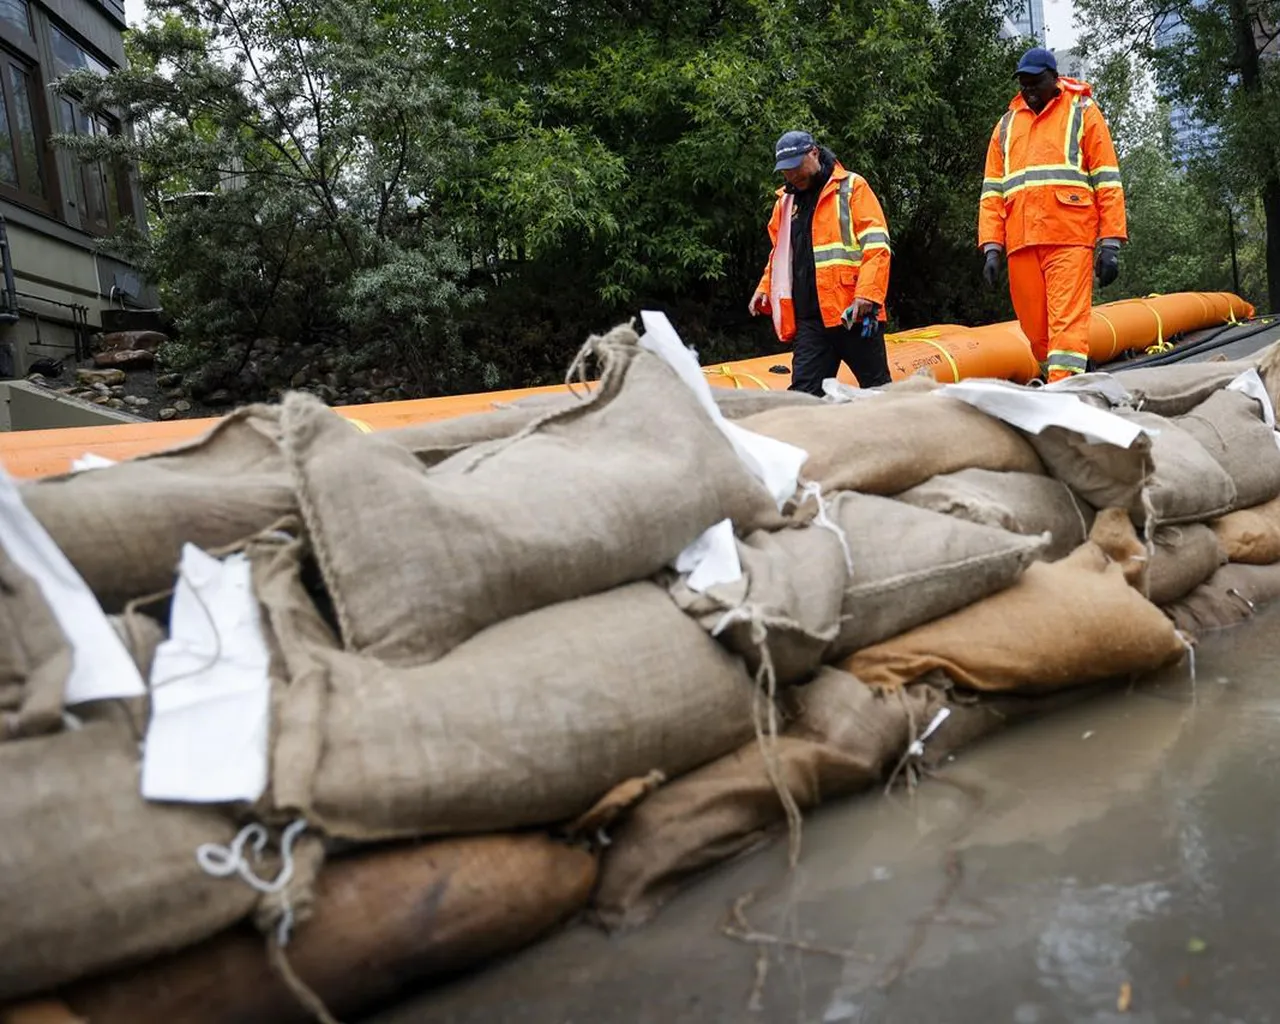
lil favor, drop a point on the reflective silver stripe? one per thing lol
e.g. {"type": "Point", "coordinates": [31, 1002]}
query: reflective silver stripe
{"type": "Point", "coordinates": [1063, 359]}
{"type": "Point", "coordinates": [846, 220]}
{"type": "Point", "coordinates": [837, 254]}
{"type": "Point", "coordinates": [1104, 176]}
{"type": "Point", "coordinates": [1045, 175]}
{"type": "Point", "coordinates": [872, 236]}
{"type": "Point", "coordinates": [1075, 129]}
{"type": "Point", "coordinates": [992, 186]}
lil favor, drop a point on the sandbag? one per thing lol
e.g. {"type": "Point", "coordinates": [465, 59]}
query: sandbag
{"type": "Point", "coordinates": [1231, 596]}
{"type": "Point", "coordinates": [1177, 389]}
{"type": "Point", "coordinates": [432, 443]}
{"type": "Point", "coordinates": [35, 657]}
{"type": "Point", "coordinates": [910, 565]}
{"type": "Point", "coordinates": [885, 444]}
{"type": "Point", "coordinates": [1251, 535]}
{"type": "Point", "coordinates": [1062, 624]}
{"type": "Point", "coordinates": [384, 922]}
{"type": "Point", "coordinates": [123, 526]}
{"type": "Point", "coordinates": [1230, 427]}
{"type": "Point", "coordinates": [142, 636]}
{"type": "Point", "coordinates": [605, 493]}
{"type": "Point", "coordinates": [527, 723]}
{"type": "Point", "coordinates": [93, 877]}
{"type": "Point", "coordinates": [1179, 559]}
{"type": "Point", "coordinates": [844, 738]}
{"type": "Point", "coordinates": [1024, 503]}
{"type": "Point", "coordinates": [1166, 478]}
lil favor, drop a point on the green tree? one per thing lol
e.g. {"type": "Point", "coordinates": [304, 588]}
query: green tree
{"type": "Point", "coordinates": [1218, 57]}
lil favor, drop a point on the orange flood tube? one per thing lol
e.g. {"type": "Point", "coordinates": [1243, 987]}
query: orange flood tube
{"type": "Point", "coordinates": [950, 352]}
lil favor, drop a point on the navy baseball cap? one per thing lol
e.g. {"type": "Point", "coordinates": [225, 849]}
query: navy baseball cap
{"type": "Point", "coordinates": [791, 150]}
{"type": "Point", "coordinates": [1036, 60]}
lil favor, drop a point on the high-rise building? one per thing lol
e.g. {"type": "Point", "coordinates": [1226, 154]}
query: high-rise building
{"type": "Point", "coordinates": [1026, 17]}
{"type": "Point", "coordinates": [1190, 134]}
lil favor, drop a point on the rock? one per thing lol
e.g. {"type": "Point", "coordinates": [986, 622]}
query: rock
{"type": "Point", "coordinates": [359, 395]}
{"type": "Point", "coordinates": [132, 341]}
{"type": "Point", "coordinates": [176, 393]}
{"type": "Point", "coordinates": [300, 378]}
{"type": "Point", "coordinates": [182, 405]}
{"type": "Point", "coordinates": [115, 403]}
{"type": "Point", "coordinates": [118, 390]}
{"type": "Point", "coordinates": [101, 400]}
{"type": "Point", "coordinates": [220, 397]}
{"type": "Point", "coordinates": [136, 401]}
{"type": "Point", "coordinates": [169, 380]}
{"type": "Point", "coordinates": [100, 376]}
{"type": "Point", "coordinates": [168, 414]}
{"type": "Point", "coordinates": [133, 359]}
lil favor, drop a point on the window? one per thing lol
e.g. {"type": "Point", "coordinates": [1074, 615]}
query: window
{"type": "Point", "coordinates": [22, 156]}
{"type": "Point", "coordinates": [100, 186]}
{"type": "Point", "coordinates": [68, 55]}
{"type": "Point", "coordinates": [14, 14]}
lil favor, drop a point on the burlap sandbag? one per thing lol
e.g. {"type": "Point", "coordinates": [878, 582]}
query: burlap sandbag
{"type": "Point", "coordinates": [1251, 535]}
{"type": "Point", "coordinates": [384, 922]}
{"type": "Point", "coordinates": [1019, 502]}
{"type": "Point", "coordinates": [590, 498]}
{"type": "Point", "coordinates": [1229, 425]}
{"type": "Point", "coordinates": [885, 444]}
{"type": "Point", "coordinates": [844, 738]}
{"type": "Point", "coordinates": [527, 723]}
{"type": "Point", "coordinates": [1062, 624]}
{"type": "Point", "coordinates": [909, 564]}
{"type": "Point", "coordinates": [93, 877]}
{"type": "Point", "coordinates": [123, 526]}
{"type": "Point", "coordinates": [1231, 596]}
{"type": "Point", "coordinates": [1168, 478]}
{"type": "Point", "coordinates": [35, 658]}
{"type": "Point", "coordinates": [1177, 389]}
{"type": "Point", "coordinates": [1179, 559]}
{"type": "Point", "coordinates": [142, 636]}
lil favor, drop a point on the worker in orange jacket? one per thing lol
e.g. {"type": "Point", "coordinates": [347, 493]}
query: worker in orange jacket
{"type": "Point", "coordinates": [826, 278]}
{"type": "Point", "coordinates": [1051, 193]}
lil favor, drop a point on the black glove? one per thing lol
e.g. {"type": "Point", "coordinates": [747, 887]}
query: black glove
{"type": "Point", "coordinates": [991, 269]}
{"type": "Point", "coordinates": [1106, 264]}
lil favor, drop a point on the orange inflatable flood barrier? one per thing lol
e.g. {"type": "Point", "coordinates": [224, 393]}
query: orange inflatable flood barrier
{"type": "Point", "coordinates": [950, 352]}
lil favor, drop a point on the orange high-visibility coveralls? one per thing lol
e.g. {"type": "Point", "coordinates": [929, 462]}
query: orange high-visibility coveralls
{"type": "Point", "coordinates": [850, 251]}
{"type": "Point", "coordinates": [1051, 190]}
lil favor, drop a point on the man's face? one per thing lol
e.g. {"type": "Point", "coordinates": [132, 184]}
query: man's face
{"type": "Point", "coordinates": [799, 177]}
{"type": "Point", "coordinates": [1038, 90]}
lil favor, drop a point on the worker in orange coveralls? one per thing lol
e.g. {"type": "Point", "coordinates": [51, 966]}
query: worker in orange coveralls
{"type": "Point", "coordinates": [1051, 194]}
{"type": "Point", "coordinates": [828, 271]}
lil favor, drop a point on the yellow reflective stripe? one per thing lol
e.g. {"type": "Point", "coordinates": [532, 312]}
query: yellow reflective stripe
{"type": "Point", "coordinates": [992, 186]}
{"type": "Point", "coordinates": [1068, 359]}
{"type": "Point", "coordinates": [1004, 140]}
{"type": "Point", "coordinates": [1073, 145]}
{"type": "Point", "coordinates": [876, 245]}
{"type": "Point", "coordinates": [846, 217]}
{"type": "Point", "coordinates": [873, 235]}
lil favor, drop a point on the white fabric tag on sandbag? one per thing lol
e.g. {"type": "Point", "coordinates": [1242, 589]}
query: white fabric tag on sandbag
{"type": "Point", "coordinates": [1034, 410]}
{"type": "Point", "coordinates": [1250, 383]}
{"type": "Point", "coordinates": [1104, 385]}
{"type": "Point", "coordinates": [102, 668]}
{"type": "Point", "coordinates": [713, 558]}
{"type": "Point", "coordinates": [210, 689]}
{"type": "Point", "coordinates": [91, 461]}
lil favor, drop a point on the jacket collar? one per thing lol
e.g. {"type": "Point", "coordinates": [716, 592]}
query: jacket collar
{"type": "Point", "coordinates": [1068, 87]}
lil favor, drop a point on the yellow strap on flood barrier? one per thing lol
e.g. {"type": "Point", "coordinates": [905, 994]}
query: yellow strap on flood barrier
{"type": "Point", "coordinates": [925, 337]}
{"type": "Point", "coordinates": [1115, 338]}
{"type": "Point", "coordinates": [724, 371]}
{"type": "Point", "coordinates": [1160, 345]}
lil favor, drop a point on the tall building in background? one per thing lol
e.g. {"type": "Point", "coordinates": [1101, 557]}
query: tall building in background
{"type": "Point", "coordinates": [1025, 19]}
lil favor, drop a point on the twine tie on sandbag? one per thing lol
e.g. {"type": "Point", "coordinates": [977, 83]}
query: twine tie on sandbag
{"type": "Point", "coordinates": [225, 861]}
{"type": "Point", "coordinates": [813, 490]}
{"type": "Point", "coordinates": [916, 749]}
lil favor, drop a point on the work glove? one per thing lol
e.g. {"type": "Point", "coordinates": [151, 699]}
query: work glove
{"type": "Point", "coordinates": [861, 310]}
{"type": "Point", "coordinates": [1106, 264]}
{"type": "Point", "coordinates": [991, 268]}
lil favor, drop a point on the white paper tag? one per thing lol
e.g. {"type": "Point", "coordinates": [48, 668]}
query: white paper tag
{"type": "Point", "coordinates": [101, 666]}
{"type": "Point", "coordinates": [211, 691]}
{"type": "Point", "coordinates": [1033, 410]}
{"type": "Point", "coordinates": [90, 461]}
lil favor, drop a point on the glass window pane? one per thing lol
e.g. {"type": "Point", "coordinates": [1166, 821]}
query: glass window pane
{"type": "Point", "coordinates": [67, 122]}
{"type": "Point", "coordinates": [112, 177]}
{"type": "Point", "coordinates": [8, 165]}
{"type": "Point", "coordinates": [24, 122]}
{"type": "Point", "coordinates": [14, 12]}
{"type": "Point", "coordinates": [68, 55]}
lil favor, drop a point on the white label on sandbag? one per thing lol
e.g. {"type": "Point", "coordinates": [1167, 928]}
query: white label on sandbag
{"type": "Point", "coordinates": [211, 691]}
{"type": "Point", "coordinates": [101, 668]}
{"type": "Point", "coordinates": [712, 559]}
{"type": "Point", "coordinates": [1250, 383]}
{"type": "Point", "coordinates": [1035, 409]}
{"type": "Point", "coordinates": [90, 461]}
{"type": "Point", "coordinates": [774, 463]}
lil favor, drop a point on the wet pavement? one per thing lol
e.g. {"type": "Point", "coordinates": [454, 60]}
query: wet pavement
{"type": "Point", "coordinates": [1116, 862]}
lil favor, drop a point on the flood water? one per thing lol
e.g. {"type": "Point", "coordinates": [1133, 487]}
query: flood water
{"type": "Point", "coordinates": [1115, 862]}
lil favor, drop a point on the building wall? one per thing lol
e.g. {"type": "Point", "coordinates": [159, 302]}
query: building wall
{"type": "Point", "coordinates": [1027, 18]}
{"type": "Point", "coordinates": [55, 228]}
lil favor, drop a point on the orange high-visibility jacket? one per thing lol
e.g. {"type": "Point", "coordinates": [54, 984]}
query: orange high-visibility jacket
{"type": "Point", "coordinates": [1052, 178]}
{"type": "Point", "coordinates": [851, 253]}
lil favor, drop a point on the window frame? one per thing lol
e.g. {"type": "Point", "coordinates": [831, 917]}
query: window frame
{"type": "Point", "coordinates": [86, 170]}
{"type": "Point", "coordinates": [45, 158]}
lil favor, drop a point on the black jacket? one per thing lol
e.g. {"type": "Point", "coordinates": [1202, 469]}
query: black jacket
{"type": "Point", "coordinates": [804, 286]}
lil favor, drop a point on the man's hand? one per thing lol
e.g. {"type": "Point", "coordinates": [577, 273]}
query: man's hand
{"type": "Point", "coordinates": [1106, 264]}
{"type": "Point", "coordinates": [759, 304]}
{"type": "Point", "coordinates": [859, 311]}
{"type": "Point", "coordinates": [991, 268]}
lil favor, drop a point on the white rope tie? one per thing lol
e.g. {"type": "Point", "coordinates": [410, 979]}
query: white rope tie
{"type": "Point", "coordinates": [917, 748]}
{"type": "Point", "coordinates": [823, 521]}
{"type": "Point", "coordinates": [225, 861]}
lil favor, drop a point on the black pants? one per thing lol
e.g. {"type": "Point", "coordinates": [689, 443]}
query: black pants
{"type": "Point", "coordinates": [817, 352]}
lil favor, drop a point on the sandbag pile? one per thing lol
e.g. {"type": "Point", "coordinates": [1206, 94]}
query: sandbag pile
{"type": "Point", "coordinates": [502, 692]}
